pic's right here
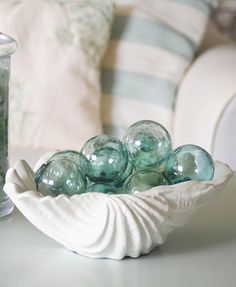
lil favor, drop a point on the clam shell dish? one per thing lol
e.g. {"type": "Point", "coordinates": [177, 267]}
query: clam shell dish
{"type": "Point", "coordinates": [111, 225]}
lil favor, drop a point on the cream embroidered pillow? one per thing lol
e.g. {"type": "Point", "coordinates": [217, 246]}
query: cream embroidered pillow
{"type": "Point", "coordinates": [55, 92]}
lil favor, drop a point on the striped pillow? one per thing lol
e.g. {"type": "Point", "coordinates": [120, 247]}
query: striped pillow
{"type": "Point", "coordinates": [152, 44]}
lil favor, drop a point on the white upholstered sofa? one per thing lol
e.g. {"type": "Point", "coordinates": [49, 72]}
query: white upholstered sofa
{"type": "Point", "coordinates": [205, 111]}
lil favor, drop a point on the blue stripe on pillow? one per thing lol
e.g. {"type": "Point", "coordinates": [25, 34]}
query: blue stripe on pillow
{"type": "Point", "coordinates": [138, 86]}
{"type": "Point", "coordinates": [157, 34]}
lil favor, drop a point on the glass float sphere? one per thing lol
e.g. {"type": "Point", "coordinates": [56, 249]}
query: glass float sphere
{"type": "Point", "coordinates": [148, 144]}
{"type": "Point", "coordinates": [189, 162]}
{"type": "Point", "coordinates": [60, 175]}
{"type": "Point", "coordinates": [73, 155]}
{"type": "Point", "coordinates": [128, 171]}
{"type": "Point", "coordinates": [105, 158]}
{"type": "Point", "coordinates": [144, 180]}
{"type": "Point", "coordinates": [102, 187]}
{"type": "Point", "coordinates": [70, 154]}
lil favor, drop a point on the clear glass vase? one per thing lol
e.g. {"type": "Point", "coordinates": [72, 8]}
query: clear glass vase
{"type": "Point", "coordinates": [7, 48]}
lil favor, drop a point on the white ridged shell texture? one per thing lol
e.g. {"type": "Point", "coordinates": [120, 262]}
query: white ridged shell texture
{"type": "Point", "coordinates": [112, 226]}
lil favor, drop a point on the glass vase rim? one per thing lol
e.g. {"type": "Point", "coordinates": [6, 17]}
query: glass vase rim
{"type": "Point", "coordinates": [8, 45]}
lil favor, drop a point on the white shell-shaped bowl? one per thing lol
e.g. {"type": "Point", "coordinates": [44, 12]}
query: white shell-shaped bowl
{"type": "Point", "coordinates": [111, 226]}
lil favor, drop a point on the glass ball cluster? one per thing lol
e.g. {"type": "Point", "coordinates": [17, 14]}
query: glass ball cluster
{"type": "Point", "coordinates": [144, 159]}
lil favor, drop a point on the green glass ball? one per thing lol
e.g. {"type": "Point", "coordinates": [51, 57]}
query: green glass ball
{"type": "Point", "coordinates": [189, 162]}
{"type": "Point", "coordinates": [144, 180]}
{"type": "Point", "coordinates": [102, 187]}
{"type": "Point", "coordinates": [128, 171]}
{"type": "Point", "coordinates": [105, 158]}
{"type": "Point", "coordinates": [148, 144]}
{"type": "Point", "coordinates": [70, 154]}
{"type": "Point", "coordinates": [73, 155]}
{"type": "Point", "coordinates": [60, 175]}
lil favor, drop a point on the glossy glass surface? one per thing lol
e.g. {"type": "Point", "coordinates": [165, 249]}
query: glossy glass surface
{"type": "Point", "coordinates": [128, 171]}
{"type": "Point", "coordinates": [189, 162]}
{"type": "Point", "coordinates": [144, 180]}
{"type": "Point", "coordinates": [148, 144]}
{"type": "Point", "coordinates": [102, 187]}
{"type": "Point", "coordinates": [105, 158]}
{"type": "Point", "coordinates": [60, 175]}
{"type": "Point", "coordinates": [72, 155]}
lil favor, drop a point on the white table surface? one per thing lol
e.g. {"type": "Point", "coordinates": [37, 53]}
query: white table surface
{"type": "Point", "coordinates": [202, 253]}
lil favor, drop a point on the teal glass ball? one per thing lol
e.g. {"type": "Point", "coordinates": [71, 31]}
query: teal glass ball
{"type": "Point", "coordinates": [60, 176]}
{"type": "Point", "coordinates": [144, 180]}
{"type": "Point", "coordinates": [102, 187]}
{"type": "Point", "coordinates": [70, 154]}
{"type": "Point", "coordinates": [189, 162]}
{"type": "Point", "coordinates": [105, 158]}
{"type": "Point", "coordinates": [148, 144]}
{"type": "Point", "coordinates": [128, 171]}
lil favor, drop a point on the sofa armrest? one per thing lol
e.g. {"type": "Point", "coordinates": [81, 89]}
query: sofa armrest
{"type": "Point", "coordinates": [203, 97]}
{"type": "Point", "coordinates": [224, 140]}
